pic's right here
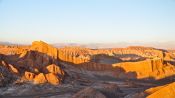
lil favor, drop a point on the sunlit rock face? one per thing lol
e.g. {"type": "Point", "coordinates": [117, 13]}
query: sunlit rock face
{"type": "Point", "coordinates": [13, 69]}
{"type": "Point", "coordinates": [55, 75]}
{"type": "Point", "coordinates": [55, 69]}
{"type": "Point", "coordinates": [165, 91]}
{"type": "Point", "coordinates": [29, 75]}
{"type": "Point", "coordinates": [13, 49]}
{"type": "Point", "coordinates": [45, 48]}
{"type": "Point", "coordinates": [53, 79]}
{"type": "Point", "coordinates": [151, 68]}
{"type": "Point", "coordinates": [74, 55]}
{"type": "Point", "coordinates": [40, 79]}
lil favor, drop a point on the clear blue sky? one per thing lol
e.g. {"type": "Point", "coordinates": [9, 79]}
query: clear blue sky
{"type": "Point", "coordinates": [87, 21]}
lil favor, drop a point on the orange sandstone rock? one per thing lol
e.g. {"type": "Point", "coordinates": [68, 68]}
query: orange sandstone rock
{"type": "Point", "coordinates": [4, 63]}
{"type": "Point", "coordinates": [40, 79]}
{"type": "Point", "coordinates": [167, 91]}
{"type": "Point", "coordinates": [43, 47]}
{"type": "Point", "coordinates": [29, 75]}
{"type": "Point", "coordinates": [55, 69]}
{"type": "Point", "coordinates": [13, 69]}
{"type": "Point", "coordinates": [154, 68]}
{"type": "Point", "coordinates": [52, 79]}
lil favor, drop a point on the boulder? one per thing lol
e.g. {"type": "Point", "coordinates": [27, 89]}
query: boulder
{"type": "Point", "coordinates": [55, 69]}
{"type": "Point", "coordinates": [29, 75]}
{"type": "Point", "coordinates": [52, 79]}
{"type": "Point", "coordinates": [13, 69]}
{"type": "Point", "coordinates": [3, 63]}
{"type": "Point", "coordinates": [40, 79]}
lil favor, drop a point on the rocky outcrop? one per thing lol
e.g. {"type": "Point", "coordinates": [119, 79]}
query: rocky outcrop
{"type": "Point", "coordinates": [38, 57]}
{"type": "Point", "coordinates": [166, 91]}
{"type": "Point", "coordinates": [42, 59]}
{"type": "Point", "coordinates": [13, 69]}
{"type": "Point", "coordinates": [53, 79]}
{"type": "Point", "coordinates": [43, 78]}
{"type": "Point", "coordinates": [150, 68]}
{"type": "Point", "coordinates": [40, 79]}
{"type": "Point", "coordinates": [29, 75]}
{"type": "Point", "coordinates": [45, 48]}
{"type": "Point", "coordinates": [74, 55]}
{"type": "Point", "coordinates": [55, 69]}
{"type": "Point", "coordinates": [34, 60]}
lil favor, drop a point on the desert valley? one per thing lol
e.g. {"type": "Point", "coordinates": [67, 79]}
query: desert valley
{"type": "Point", "coordinates": [87, 49]}
{"type": "Point", "coordinates": [41, 70]}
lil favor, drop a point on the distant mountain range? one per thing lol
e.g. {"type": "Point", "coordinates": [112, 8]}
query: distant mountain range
{"type": "Point", "coordinates": [6, 43]}
{"type": "Point", "coordinates": [160, 45]}
{"type": "Point", "coordinates": [10, 43]}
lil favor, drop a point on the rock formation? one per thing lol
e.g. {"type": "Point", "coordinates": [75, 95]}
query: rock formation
{"type": "Point", "coordinates": [166, 91]}
{"type": "Point", "coordinates": [45, 48]}
{"type": "Point", "coordinates": [29, 75]}
{"type": "Point", "coordinates": [40, 79]}
{"type": "Point", "coordinates": [53, 79]}
{"type": "Point", "coordinates": [92, 73]}
{"type": "Point", "coordinates": [42, 59]}
{"type": "Point", "coordinates": [55, 69]}
{"type": "Point", "coordinates": [78, 55]}
{"type": "Point", "coordinates": [34, 63]}
{"type": "Point", "coordinates": [13, 49]}
{"type": "Point", "coordinates": [13, 69]}
{"type": "Point", "coordinates": [151, 68]}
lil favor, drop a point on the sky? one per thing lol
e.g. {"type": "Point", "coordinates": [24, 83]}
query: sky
{"type": "Point", "coordinates": [87, 21]}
